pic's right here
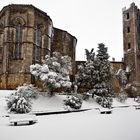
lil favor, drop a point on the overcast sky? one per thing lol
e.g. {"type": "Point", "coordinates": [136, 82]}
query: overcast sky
{"type": "Point", "coordinates": [90, 21]}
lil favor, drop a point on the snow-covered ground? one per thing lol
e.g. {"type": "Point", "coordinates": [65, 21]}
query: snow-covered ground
{"type": "Point", "coordinates": [122, 124]}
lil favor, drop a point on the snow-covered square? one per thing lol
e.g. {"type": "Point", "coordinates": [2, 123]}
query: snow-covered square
{"type": "Point", "coordinates": [123, 123]}
{"type": "Point", "coordinates": [48, 93]}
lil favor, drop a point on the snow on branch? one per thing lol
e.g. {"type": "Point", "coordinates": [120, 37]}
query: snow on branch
{"type": "Point", "coordinates": [54, 72]}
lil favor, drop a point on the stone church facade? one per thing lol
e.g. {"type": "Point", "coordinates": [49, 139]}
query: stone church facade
{"type": "Point", "coordinates": [26, 36]}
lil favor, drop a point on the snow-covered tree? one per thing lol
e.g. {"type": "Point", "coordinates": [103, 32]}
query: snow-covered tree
{"type": "Point", "coordinates": [95, 74]}
{"type": "Point", "coordinates": [122, 78]}
{"type": "Point", "coordinates": [20, 100]}
{"type": "Point", "coordinates": [54, 72]}
{"type": "Point", "coordinates": [85, 76]}
{"type": "Point", "coordinates": [27, 91]}
{"type": "Point", "coordinates": [102, 86]}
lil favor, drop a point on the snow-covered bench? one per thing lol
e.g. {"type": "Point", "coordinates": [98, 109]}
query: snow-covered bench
{"type": "Point", "coordinates": [137, 107]}
{"type": "Point", "coordinates": [105, 111]}
{"type": "Point", "coordinates": [22, 118]}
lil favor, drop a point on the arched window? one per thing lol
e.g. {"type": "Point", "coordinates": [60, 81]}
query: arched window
{"type": "Point", "coordinates": [38, 41]}
{"type": "Point", "coordinates": [18, 23]}
{"type": "Point", "coordinates": [45, 49]}
{"type": "Point", "coordinates": [49, 35]}
{"type": "Point", "coordinates": [1, 42]}
{"type": "Point", "coordinates": [18, 45]}
{"type": "Point", "coordinates": [1, 54]}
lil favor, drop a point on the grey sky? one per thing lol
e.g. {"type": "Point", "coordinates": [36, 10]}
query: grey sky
{"type": "Point", "coordinates": [90, 21]}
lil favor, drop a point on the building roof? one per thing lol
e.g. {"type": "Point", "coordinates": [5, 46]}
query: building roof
{"type": "Point", "coordinates": [24, 5]}
{"type": "Point", "coordinates": [60, 30]}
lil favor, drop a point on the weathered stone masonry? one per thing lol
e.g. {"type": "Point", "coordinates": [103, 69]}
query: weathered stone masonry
{"type": "Point", "coordinates": [26, 36]}
{"type": "Point", "coordinates": [131, 40]}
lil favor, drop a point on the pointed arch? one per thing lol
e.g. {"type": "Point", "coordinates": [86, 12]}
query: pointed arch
{"type": "Point", "coordinates": [38, 43]}
{"type": "Point", "coordinates": [18, 45]}
{"type": "Point", "coordinates": [18, 24]}
{"type": "Point", "coordinates": [1, 41]}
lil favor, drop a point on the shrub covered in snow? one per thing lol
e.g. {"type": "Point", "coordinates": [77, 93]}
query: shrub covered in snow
{"type": "Point", "coordinates": [54, 72]}
{"type": "Point", "coordinates": [73, 102]}
{"type": "Point", "coordinates": [104, 101]}
{"type": "Point", "coordinates": [122, 77]}
{"type": "Point", "coordinates": [20, 100]}
{"type": "Point", "coordinates": [131, 90]}
{"type": "Point", "coordinates": [18, 104]}
{"type": "Point", "coordinates": [27, 91]}
{"type": "Point", "coordinates": [137, 99]}
{"type": "Point", "coordinates": [122, 97]}
{"type": "Point", "coordinates": [86, 96]}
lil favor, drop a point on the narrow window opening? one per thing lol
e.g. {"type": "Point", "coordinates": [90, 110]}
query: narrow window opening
{"type": "Point", "coordinates": [129, 45]}
{"type": "Point", "coordinates": [18, 44]}
{"type": "Point", "coordinates": [38, 37]}
{"type": "Point", "coordinates": [1, 53]}
{"type": "Point", "coordinates": [128, 29]}
{"type": "Point", "coordinates": [38, 40]}
{"type": "Point", "coordinates": [138, 46]}
{"type": "Point", "coordinates": [127, 16]}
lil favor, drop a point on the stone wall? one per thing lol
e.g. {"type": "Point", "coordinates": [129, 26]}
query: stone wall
{"type": "Point", "coordinates": [64, 43]}
{"type": "Point", "coordinates": [115, 66]}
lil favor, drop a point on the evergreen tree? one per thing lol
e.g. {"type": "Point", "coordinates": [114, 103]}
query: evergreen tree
{"type": "Point", "coordinates": [95, 75]}
{"type": "Point", "coordinates": [102, 85]}
{"type": "Point", "coordinates": [85, 76]}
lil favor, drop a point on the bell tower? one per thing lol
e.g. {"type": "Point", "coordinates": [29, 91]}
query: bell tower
{"type": "Point", "coordinates": [131, 43]}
